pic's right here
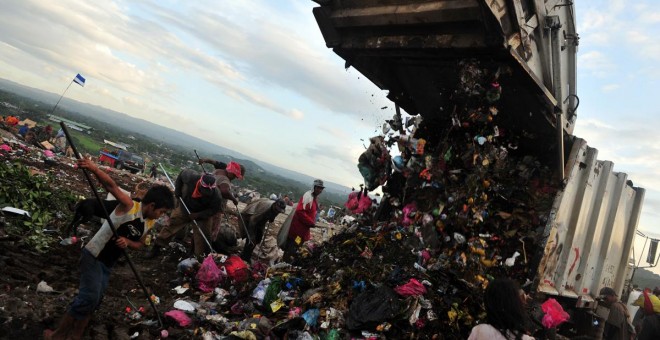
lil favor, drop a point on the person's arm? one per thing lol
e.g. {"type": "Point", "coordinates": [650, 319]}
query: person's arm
{"type": "Point", "coordinates": [225, 191]}
{"type": "Point", "coordinates": [123, 242]}
{"type": "Point", "coordinates": [216, 164]}
{"type": "Point", "coordinates": [125, 202]}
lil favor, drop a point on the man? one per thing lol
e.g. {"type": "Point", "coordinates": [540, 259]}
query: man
{"type": "Point", "coordinates": [202, 197]}
{"type": "Point", "coordinates": [616, 326]}
{"type": "Point", "coordinates": [224, 174]}
{"type": "Point", "coordinates": [154, 171]}
{"type": "Point", "coordinates": [131, 220]}
{"type": "Point", "coordinates": [304, 219]}
{"type": "Point", "coordinates": [255, 215]}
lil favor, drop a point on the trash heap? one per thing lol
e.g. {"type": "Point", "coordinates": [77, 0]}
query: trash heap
{"type": "Point", "coordinates": [463, 206]}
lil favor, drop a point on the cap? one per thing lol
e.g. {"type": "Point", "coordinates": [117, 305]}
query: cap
{"type": "Point", "coordinates": [607, 291]}
{"type": "Point", "coordinates": [318, 183]}
{"type": "Point", "coordinates": [235, 169]}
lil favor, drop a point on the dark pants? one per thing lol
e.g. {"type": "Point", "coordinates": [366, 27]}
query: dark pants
{"type": "Point", "coordinates": [94, 277]}
{"type": "Point", "coordinates": [256, 232]}
{"type": "Point", "coordinates": [290, 251]}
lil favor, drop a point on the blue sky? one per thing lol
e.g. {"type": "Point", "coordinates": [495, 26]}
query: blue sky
{"type": "Point", "coordinates": [256, 76]}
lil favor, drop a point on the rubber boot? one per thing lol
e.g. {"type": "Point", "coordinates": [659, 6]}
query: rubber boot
{"type": "Point", "coordinates": [79, 328]}
{"type": "Point", "coordinates": [63, 330]}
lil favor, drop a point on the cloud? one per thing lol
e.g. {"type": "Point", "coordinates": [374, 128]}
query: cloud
{"type": "Point", "coordinates": [596, 63]}
{"type": "Point", "coordinates": [610, 87]}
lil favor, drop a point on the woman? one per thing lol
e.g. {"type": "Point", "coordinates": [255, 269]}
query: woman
{"type": "Point", "coordinates": [506, 314]}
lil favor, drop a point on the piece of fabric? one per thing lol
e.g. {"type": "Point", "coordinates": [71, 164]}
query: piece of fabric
{"type": "Point", "coordinates": [131, 225]}
{"type": "Point", "coordinates": [304, 218]}
{"type": "Point", "coordinates": [235, 169]}
{"type": "Point", "coordinates": [488, 332]}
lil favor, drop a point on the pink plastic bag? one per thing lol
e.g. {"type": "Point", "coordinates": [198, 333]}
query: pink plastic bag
{"type": "Point", "coordinates": [180, 317]}
{"type": "Point", "coordinates": [554, 314]}
{"type": "Point", "coordinates": [208, 275]}
{"type": "Point", "coordinates": [413, 287]}
{"type": "Point", "coordinates": [406, 213]}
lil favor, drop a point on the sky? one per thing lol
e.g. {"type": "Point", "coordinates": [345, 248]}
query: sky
{"type": "Point", "coordinates": [255, 76]}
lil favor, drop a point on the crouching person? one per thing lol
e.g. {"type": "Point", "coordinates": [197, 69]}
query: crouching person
{"type": "Point", "coordinates": [255, 215]}
{"type": "Point", "coordinates": [131, 220]}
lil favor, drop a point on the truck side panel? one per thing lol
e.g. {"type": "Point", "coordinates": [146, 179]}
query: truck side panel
{"type": "Point", "coordinates": [590, 229]}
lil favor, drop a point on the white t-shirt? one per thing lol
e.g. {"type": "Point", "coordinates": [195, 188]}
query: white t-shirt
{"type": "Point", "coordinates": [485, 331]}
{"type": "Point", "coordinates": [130, 225]}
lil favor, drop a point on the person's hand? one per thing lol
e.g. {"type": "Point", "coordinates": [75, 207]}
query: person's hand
{"type": "Point", "coordinates": [201, 161]}
{"type": "Point", "coordinates": [235, 201]}
{"type": "Point", "coordinates": [85, 163]}
{"type": "Point", "coordinates": [122, 242]}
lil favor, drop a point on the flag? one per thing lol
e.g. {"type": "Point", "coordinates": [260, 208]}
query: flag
{"type": "Point", "coordinates": [79, 80]}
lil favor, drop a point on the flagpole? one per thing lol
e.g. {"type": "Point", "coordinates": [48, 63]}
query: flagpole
{"type": "Point", "coordinates": [58, 101]}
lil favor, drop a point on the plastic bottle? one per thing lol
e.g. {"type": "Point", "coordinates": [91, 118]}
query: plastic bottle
{"type": "Point", "coordinates": [69, 241]}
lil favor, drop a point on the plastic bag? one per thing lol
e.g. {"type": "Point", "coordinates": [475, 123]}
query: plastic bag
{"type": "Point", "coordinates": [554, 314]}
{"type": "Point", "coordinates": [413, 287]}
{"type": "Point", "coordinates": [283, 234]}
{"type": "Point", "coordinates": [372, 308]}
{"type": "Point", "coordinates": [180, 317]}
{"type": "Point", "coordinates": [236, 269]}
{"type": "Point", "coordinates": [208, 275]}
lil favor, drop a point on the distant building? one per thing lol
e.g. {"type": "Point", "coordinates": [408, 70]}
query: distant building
{"type": "Point", "coordinates": [70, 123]}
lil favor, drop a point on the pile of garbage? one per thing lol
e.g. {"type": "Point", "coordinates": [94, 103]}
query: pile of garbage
{"type": "Point", "coordinates": [462, 206]}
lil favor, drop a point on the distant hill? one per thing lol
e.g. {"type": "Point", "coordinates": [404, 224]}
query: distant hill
{"type": "Point", "coordinates": [158, 132]}
{"type": "Point", "coordinates": [646, 279]}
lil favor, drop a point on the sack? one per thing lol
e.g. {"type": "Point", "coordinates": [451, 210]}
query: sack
{"type": "Point", "coordinates": [283, 234]}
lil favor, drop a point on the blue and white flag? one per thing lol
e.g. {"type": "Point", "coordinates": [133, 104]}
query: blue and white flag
{"type": "Point", "coordinates": [79, 80]}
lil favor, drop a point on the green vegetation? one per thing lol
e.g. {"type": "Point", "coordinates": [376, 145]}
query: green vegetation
{"type": "Point", "coordinates": [85, 143]}
{"type": "Point", "coordinates": [19, 189]}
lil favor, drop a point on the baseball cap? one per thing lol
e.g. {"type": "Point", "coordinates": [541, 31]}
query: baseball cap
{"type": "Point", "coordinates": [318, 183]}
{"type": "Point", "coordinates": [607, 291]}
{"type": "Point", "coordinates": [235, 169]}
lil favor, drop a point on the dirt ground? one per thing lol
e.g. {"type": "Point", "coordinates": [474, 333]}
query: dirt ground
{"type": "Point", "coordinates": [25, 313]}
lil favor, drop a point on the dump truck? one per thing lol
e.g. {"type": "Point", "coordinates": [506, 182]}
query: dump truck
{"type": "Point", "coordinates": [413, 48]}
{"type": "Point", "coordinates": [122, 159]}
